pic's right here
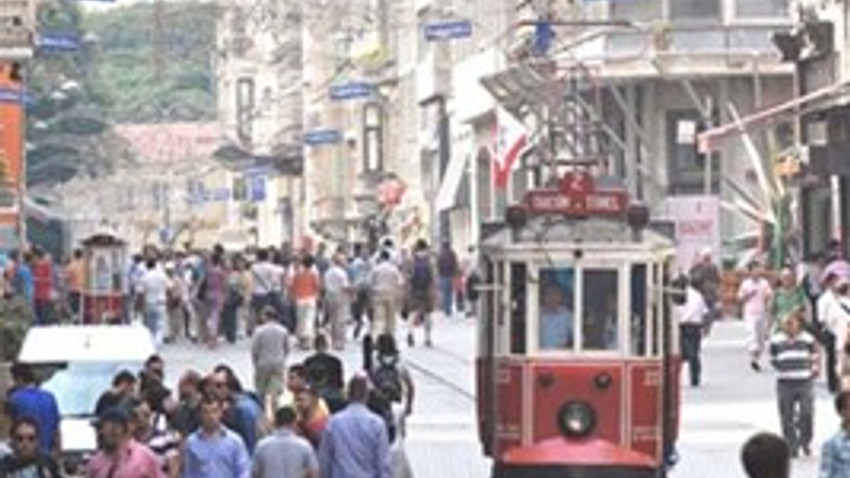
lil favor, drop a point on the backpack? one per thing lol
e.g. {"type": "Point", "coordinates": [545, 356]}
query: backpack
{"type": "Point", "coordinates": [421, 278]}
{"type": "Point", "coordinates": [387, 378]}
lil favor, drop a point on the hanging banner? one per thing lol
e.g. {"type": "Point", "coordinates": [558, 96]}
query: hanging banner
{"type": "Point", "coordinates": [697, 222]}
{"type": "Point", "coordinates": [11, 162]}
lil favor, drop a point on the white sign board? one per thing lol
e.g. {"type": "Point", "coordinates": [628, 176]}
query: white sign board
{"type": "Point", "coordinates": [697, 222]}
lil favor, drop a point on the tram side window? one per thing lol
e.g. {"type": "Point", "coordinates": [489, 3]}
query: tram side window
{"type": "Point", "coordinates": [599, 310]}
{"type": "Point", "coordinates": [637, 313]}
{"type": "Point", "coordinates": [555, 303]}
{"type": "Point", "coordinates": [519, 286]}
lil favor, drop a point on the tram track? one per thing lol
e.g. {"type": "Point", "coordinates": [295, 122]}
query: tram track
{"type": "Point", "coordinates": [420, 366]}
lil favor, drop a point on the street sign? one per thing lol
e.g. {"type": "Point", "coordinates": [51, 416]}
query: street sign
{"type": "Point", "coordinates": [58, 42]}
{"type": "Point", "coordinates": [217, 195]}
{"type": "Point", "coordinates": [577, 196]}
{"type": "Point", "coordinates": [257, 188]}
{"type": "Point", "coordinates": [322, 137]}
{"type": "Point", "coordinates": [11, 95]}
{"type": "Point", "coordinates": [448, 30]}
{"type": "Point", "coordinates": [351, 91]}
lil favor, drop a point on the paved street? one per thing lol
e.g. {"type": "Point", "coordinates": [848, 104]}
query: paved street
{"type": "Point", "coordinates": [733, 403]}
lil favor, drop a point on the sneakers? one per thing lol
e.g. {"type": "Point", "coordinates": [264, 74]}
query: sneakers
{"type": "Point", "coordinates": [755, 366]}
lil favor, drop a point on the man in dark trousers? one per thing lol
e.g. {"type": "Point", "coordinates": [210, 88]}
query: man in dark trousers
{"type": "Point", "coordinates": [325, 374]}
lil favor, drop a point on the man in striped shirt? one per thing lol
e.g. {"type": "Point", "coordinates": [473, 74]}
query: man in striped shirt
{"type": "Point", "coordinates": [796, 357]}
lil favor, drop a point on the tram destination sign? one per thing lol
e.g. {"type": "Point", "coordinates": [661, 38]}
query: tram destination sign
{"type": "Point", "coordinates": [577, 196]}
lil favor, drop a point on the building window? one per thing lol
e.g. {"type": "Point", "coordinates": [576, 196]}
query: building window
{"type": "Point", "coordinates": [702, 10]}
{"type": "Point", "coordinates": [637, 10]}
{"type": "Point", "coordinates": [245, 101]}
{"type": "Point", "coordinates": [686, 166]}
{"type": "Point", "coordinates": [762, 8]}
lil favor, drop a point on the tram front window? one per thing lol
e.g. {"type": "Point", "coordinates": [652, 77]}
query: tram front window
{"type": "Point", "coordinates": [599, 310]}
{"type": "Point", "coordinates": [556, 309]}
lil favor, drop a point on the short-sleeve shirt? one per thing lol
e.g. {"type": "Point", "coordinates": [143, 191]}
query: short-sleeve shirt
{"type": "Point", "coordinates": [134, 461]}
{"type": "Point", "coordinates": [284, 454]}
{"type": "Point", "coordinates": [755, 306]}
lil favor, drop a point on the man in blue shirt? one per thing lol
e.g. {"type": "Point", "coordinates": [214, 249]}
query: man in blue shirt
{"type": "Point", "coordinates": [214, 451]}
{"type": "Point", "coordinates": [835, 454]}
{"type": "Point", "coordinates": [355, 443]}
{"type": "Point", "coordinates": [26, 399]}
{"type": "Point", "coordinates": [556, 320]}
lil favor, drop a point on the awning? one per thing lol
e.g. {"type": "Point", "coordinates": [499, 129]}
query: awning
{"type": "Point", "coordinates": [447, 194]}
{"type": "Point", "coordinates": [710, 139]}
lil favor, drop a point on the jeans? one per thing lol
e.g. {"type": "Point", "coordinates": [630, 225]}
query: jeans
{"type": "Point", "coordinates": [691, 343]}
{"type": "Point", "coordinates": [44, 312]}
{"type": "Point", "coordinates": [796, 412]}
{"type": "Point", "coordinates": [447, 294]}
{"type": "Point", "coordinates": [154, 319]}
{"type": "Point", "coordinates": [229, 316]}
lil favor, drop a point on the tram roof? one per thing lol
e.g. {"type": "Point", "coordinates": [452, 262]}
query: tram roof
{"type": "Point", "coordinates": [591, 233]}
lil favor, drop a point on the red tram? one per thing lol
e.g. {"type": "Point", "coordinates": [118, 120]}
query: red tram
{"type": "Point", "coordinates": [576, 373]}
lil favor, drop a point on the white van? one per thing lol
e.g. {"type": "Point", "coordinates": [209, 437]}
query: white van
{"type": "Point", "coordinates": [77, 364]}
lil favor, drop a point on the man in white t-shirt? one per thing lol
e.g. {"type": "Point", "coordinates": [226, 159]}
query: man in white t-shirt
{"type": "Point", "coordinates": [153, 286]}
{"type": "Point", "coordinates": [338, 289]}
{"type": "Point", "coordinates": [266, 281]}
{"type": "Point", "coordinates": [754, 296]}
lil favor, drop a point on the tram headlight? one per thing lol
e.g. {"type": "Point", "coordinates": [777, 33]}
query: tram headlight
{"type": "Point", "coordinates": [576, 419]}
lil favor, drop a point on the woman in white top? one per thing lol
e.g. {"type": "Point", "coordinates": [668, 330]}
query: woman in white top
{"type": "Point", "coordinates": [754, 296]}
{"type": "Point", "coordinates": [837, 316]}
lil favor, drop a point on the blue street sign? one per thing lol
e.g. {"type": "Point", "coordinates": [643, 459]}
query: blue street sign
{"type": "Point", "coordinates": [58, 42]}
{"type": "Point", "coordinates": [544, 34]}
{"type": "Point", "coordinates": [351, 91]}
{"type": "Point", "coordinates": [322, 136]}
{"type": "Point", "coordinates": [448, 30]}
{"type": "Point", "coordinates": [257, 188]}
{"type": "Point", "coordinates": [217, 195]}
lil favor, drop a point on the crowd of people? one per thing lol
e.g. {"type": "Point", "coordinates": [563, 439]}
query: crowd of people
{"type": "Point", "coordinates": [299, 422]}
{"type": "Point", "coordinates": [207, 296]}
{"type": "Point", "coordinates": [799, 319]}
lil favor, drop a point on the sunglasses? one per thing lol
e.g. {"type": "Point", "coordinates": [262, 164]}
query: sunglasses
{"type": "Point", "coordinates": [25, 438]}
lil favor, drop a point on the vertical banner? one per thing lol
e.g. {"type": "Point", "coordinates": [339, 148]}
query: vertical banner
{"type": "Point", "coordinates": [697, 220]}
{"type": "Point", "coordinates": [11, 159]}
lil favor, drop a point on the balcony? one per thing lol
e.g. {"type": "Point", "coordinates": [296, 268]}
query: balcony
{"type": "Point", "coordinates": [16, 27]}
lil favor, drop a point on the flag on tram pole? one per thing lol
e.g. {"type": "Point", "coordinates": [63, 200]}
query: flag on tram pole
{"type": "Point", "coordinates": [511, 140]}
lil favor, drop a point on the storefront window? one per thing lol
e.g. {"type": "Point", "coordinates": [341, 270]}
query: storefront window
{"type": "Point", "coordinates": [556, 289]}
{"type": "Point", "coordinates": [600, 299]}
{"type": "Point", "coordinates": [761, 8]}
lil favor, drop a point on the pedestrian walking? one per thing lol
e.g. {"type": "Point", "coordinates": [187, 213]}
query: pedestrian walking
{"type": "Point", "coordinates": [448, 268]}
{"type": "Point", "coordinates": [691, 316]}
{"type": "Point", "coordinates": [392, 381]}
{"type": "Point", "coordinates": [215, 298]}
{"type": "Point", "coordinates": [185, 419]}
{"type": "Point", "coordinates": [313, 414]}
{"type": "Point", "coordinates": [243, 412]}
{"type": "Point", "coordinates": [796, 357]}
{"type": "Point", "coordinates": [43, 283]}
{"type": "Point", "coordinates": [164, 444]}
{"type": "Point", "coordinates": [214, 451]}
{"type": "Point", "coordinates": [304, 290]}
{"type": "Point", "coordinates": [360, 272]}
{"type": "Point", "coordinates": [704, 276]}
{"type": "Point", "coordinates": [237, 290]}
{"type": "Point", "coordinates": [120, 456]}
{"type": "Point", "coordinates": [835, 453]}
{"type": "Point", "coordinates": [27, 459]}
{"type": "Point", "coordinates": [823, 315]}
{"type": "Point", "coordinates": [284, 454]}
{"type": "Point", "coordinates": [337, 293]}
{"type": "Point", "coordinates": [325, 372]}
{"type": "Point", "coordinates": [387, 285]}
{"type": "Point", "coordinates": [269, 350]}
{"type": "Point", "coordinates": [754, 296]}
{"type": "Point", "coordinates": [27, 399]}
{"type": "Point", "coordinates": [355, 442]}
{"type": "Point", "coordinates": [123, 390]}
{"type": "Point", "coordinates": [153, 292]}
{"type": "Point", "coordinates": [836, 324]}
{"type": "Point", "coordinates": [265, 281]}
{"type": "Point", "coordinates": [788, 299]}
{"type": "Point", "coordinates": [766, 455]}
{"type": "Point", "coordinates": [421, 292]}
{"type": "Point", "coordinates": [75, 276]}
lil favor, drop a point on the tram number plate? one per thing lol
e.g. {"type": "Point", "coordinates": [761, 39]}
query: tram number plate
{"type": "Point", "coordinates": [645, 434]}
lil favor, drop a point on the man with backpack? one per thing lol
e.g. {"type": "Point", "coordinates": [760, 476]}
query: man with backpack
{"type": "Point", "coordinates": [391, 378]}
{"type": "Point", "coordinates": [421, 292]}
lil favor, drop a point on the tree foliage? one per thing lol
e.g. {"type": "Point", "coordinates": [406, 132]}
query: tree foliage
{"type": "Point", "coordinates": [153, 71]}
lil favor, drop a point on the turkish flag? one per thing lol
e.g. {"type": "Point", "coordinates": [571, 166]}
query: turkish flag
{"type": "Point", "coordinates": [511, 140]}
